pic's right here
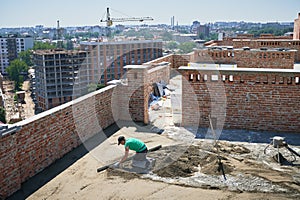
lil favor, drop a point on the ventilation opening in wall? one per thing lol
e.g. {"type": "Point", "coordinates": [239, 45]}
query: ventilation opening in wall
{"type": "Point", "coordinates": [223, 77]}
{"type": "Point", "coordinates": [214, 77]}
{"type": "Point", "coordinates": [231, 78]}
{"type": "Point", "coordinates": [205, 77]}
{"type": "Point", "coordinates": [191, 77]}
{"type": "Point", "coordinates": [198, 77]}
{"type": "Point", "coordinates": [297, 80]}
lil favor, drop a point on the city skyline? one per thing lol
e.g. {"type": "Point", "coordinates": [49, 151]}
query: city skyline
{"type": "Point", "coordinates": [89, 12]}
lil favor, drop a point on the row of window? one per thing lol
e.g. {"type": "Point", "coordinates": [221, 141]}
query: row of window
{"type": "Point", "coordinates": [274, 55]}
{"type": "Point", "coordinates": [223, 54]}
{"type": "Point", "coordinates": [231, 54]}
{"type": "Point", "coordinates": [277, 43]}
{"type": "Point", "coordinates": [270, 43]}
{"type": "Point", "coordinates": [230, 78]}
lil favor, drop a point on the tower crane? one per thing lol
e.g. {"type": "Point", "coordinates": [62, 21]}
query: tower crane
{"type": "Point", "coordinates": [109, 21]}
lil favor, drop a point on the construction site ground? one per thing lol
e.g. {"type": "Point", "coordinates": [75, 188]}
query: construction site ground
{"type": "Point", "coordinates": [186, 167]}
{"type": "Point", "coordinates": [26, 108]}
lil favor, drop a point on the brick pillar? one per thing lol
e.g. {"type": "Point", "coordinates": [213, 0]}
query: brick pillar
{"type": "Point", "coordinates": [131, 97]}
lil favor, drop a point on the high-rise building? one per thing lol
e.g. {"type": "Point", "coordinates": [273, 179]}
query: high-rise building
{"type": "Point", "coordinates": [10, 47]}
{"type": "Point", "coordinates": [108, 58]}
{"type": "Point", "coordinates": [203, 30]}
{"type": "Point", "coordinates": [195, 26]}
{"type": "Point", "coordinates": [63, 75]}
{"type": "Point", "coordinates": [57, 76]}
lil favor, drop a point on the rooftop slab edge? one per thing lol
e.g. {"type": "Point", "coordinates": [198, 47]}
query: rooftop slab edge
{"type": "Point", "coordinates": [147, 66]}
{"type": "Point", "coordinates": [136, 67]}
{"type": "Point", "coordinates": [266, 39]}
{"type": "Point", "coordinates": [63, 106]}
{"type": "Point", "coordinates": [239, 69]}
{"type": "Point", "coordinates": [222, 48]}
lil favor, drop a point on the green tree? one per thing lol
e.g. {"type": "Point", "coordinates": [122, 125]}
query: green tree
{"type": "Point", "coordinates": [172, 45]}
{"type": "Point", "coordinates": [26, 57]}
{"type": "Point", "coordinates": [43, 46]}
{"type": "Point", "coordinates": [213, 36]}
{"type": "Point", "coordinates": [186, 47]}
{"type": "Point", "coordinates": [69, 45]}
{"type": "Point", "coordinates": [201, 36]}
{"type": "Point", "coordinates": [2, 115]}
{"type": "Point", "coordinates": [100, 86]}
{"type": "Point", "coordinates": [92, 87]}
{"type": "Point", "coordinates": [166, 36]}
{"type": "Point", "coordinates": [14, 71]}
{"type": "Point", "coordinates": [140, 33]}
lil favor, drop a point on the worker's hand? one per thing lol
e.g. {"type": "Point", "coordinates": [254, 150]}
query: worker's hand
{"type": "Point", "coordinates": [116, 165]}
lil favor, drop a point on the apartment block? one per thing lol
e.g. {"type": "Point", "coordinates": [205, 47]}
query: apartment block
{"type": "Point", "coordinates": [203, 30]}
{"type": "Point", "coordinates": [10, 47]}
{"type": "Point", "coordinates": [109, 58]}
{"type": "Point", "coordinates": [60, 76]}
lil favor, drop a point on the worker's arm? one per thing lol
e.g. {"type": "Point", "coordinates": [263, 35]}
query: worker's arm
{"type": "Point", "coordinates": [126, 155]}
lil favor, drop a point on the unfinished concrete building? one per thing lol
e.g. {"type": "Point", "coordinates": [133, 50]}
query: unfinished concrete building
{"type": "Point", "coordinates": [57, 79]}
{"type": "Point", "coordinates": [110, 57]}
{"type": "Point", "coordinates": [64, 75]}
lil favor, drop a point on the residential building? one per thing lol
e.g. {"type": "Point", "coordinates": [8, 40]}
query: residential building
{"type": "Point", "coordinates": [63, 75]}
{"type": "Point", "coordinates": [203, 30]}
{"type": "Point", "coordinates": [109, 58]}
{"type": "Point", "coordinates": [195, 26]}
{"type": "Point", "coordinates": [10, 47]}
{"type": "Point", "coordinates": [60, 76]}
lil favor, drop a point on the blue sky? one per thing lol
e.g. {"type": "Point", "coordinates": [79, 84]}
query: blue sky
{"type": "Point", "coordinates": [15, 13]}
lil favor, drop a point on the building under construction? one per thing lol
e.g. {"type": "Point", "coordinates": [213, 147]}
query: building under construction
{"type": "Point", "coordinates": [110, 57]}
{"type": "Point", "coordinates": [56, 73]}
{"type": "Point", "coordinates": [64, 75]}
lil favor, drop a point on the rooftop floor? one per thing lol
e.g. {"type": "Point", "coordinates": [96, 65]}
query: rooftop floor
{"type": "Point", "coordinates": [75, 176]}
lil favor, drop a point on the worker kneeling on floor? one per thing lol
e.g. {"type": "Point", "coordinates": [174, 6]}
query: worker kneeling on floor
{"type": "Point", "coordinates": [140, 159]}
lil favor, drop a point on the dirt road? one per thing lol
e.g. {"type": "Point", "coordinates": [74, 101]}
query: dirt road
{"type": "Point", "coordinates": [28, 107]}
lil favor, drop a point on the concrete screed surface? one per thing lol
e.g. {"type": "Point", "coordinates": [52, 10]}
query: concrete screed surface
{"type": "Point", "coordinates": [258, 178]}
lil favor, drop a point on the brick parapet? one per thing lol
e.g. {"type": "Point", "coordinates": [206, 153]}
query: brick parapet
{"type": "Point", "coordinates": [253, 99]}
{"type": "Point", "coordinates": [48, 136]}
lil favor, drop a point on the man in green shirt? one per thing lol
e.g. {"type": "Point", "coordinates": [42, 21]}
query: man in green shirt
{"type": "Point", "coordinates": [135, 145]}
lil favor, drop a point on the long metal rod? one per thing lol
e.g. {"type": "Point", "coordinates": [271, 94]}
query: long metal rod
{"type": "Point", "coordinates": [221, 167]}
{"type": "Point", "coordinates": [107, 166]}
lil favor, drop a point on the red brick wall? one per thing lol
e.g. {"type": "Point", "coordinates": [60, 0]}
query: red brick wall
{"type": "Point", "coordinates": [257, 43]}
{"type": "Point", "coordinates": [176, 61]}
{"type": "Point", "coordinates": [247, 59]}
{"type": "Point", "coordinates": [254, 100]}
{"type": "Point", "coordinates": [133, 98]}
{"type": "Point", "coordinates": [49, 136]}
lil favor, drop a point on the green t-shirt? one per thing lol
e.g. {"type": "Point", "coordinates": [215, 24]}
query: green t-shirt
{"type": "Point", "coordinates": [135, 144]}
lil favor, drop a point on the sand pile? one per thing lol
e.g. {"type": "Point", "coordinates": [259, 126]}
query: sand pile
{"type": "Point", "coordinates": [184, 161]}
{"type": "Point", "coordinates": [194, 159]}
